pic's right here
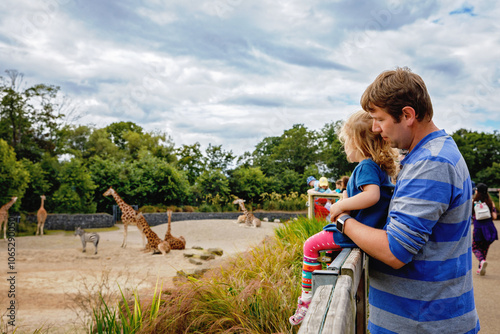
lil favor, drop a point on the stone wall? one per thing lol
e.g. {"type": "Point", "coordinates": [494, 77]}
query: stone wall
{"type": "Point", "coordinates": [69, 222]}
{"type": "Point", "coordinates": [162, 218]}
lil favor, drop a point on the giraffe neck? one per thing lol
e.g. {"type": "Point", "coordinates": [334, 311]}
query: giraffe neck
{"type": "Point", "coordinates": [121, 203]}
{"type": "Point", "coordinates": [169, 222]}
{"type": "Point", "coordinates": [8, 205]}
{"type": "Point", "coordinates": [41, 206]}
{"type": "Point", "coordinates": [243, 208]}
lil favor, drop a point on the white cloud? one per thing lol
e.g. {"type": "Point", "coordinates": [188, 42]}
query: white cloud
{"type": "Point", "coordinates": [231, 72]}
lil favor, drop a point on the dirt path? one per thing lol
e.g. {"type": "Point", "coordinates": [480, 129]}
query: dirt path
{"type": "Point", "coordinates": [53, 277]}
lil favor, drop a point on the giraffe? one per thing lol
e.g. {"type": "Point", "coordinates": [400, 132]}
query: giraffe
{"type": "Point", "coordinates": [250, 219]}
{"type": "Point", "coordinates": [175, 243]}
{"type": "Point", "coordinates": [241, 218]}
{"type": "Point", "coordinates": [4, 216]}
{"type": "Point", "coordinates": [154, 241]}
{"type": "Point", "coordinates": [128, 215]}
{"type": "Point", "coordinates": [41, 217]}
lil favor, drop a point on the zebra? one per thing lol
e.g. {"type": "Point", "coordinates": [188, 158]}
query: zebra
{"type": "Point", "coordinates": [87, 237]}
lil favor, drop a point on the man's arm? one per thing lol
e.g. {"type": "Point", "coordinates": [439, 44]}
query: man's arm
{"type": "Point", "coordinates": [372, 241]}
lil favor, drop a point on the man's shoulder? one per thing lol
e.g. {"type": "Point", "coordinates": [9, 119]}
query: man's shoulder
{"type": "Point", "coordinates": [440, 148]}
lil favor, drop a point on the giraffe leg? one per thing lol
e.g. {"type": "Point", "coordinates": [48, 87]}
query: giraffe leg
{"type": "Point", "coordinates": [124, 243]}
{"type": "Point", "coordinates": [143, 239]}
{"type": "Point", "coordinates": [164, 248]}
{"type": "Point", "coordinates": [41, 229]}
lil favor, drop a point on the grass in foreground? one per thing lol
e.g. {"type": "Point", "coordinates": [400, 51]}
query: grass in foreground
{"type": "Point", "coordinates": [254, 292]}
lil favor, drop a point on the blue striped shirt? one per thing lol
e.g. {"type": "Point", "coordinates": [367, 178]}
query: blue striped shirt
{"type": "Point", "coordinates": [428, 229]}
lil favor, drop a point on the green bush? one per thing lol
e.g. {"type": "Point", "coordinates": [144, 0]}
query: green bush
{"type": "Point", "coordinates": [148, 209]}
{"type": "Point", "coordinates": [205, 208]}
{"type": "Point", "coordinates": [188, 208]}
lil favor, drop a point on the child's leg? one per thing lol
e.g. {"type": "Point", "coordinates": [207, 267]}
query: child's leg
{"type": "Point", "coordinates": [479, 248]}
{"type": "Point", "coordinates": [320, 241]}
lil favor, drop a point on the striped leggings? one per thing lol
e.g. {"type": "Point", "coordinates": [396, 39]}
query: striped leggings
{"type": "Point", "coordinates": [318, 242]}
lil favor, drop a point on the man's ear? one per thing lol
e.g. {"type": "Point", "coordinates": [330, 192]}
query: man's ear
{"type": "Point", "coordinates": [408, 115]}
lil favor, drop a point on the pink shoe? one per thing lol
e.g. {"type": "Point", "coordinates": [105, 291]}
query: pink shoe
{"type": "Point", "coordinates": [300, 313]}
{"type": "Point", "coordinates": [482, 267]}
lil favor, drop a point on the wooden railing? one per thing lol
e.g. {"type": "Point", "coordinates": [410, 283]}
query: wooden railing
{"type": "Point", "coordinates": [339, 303]}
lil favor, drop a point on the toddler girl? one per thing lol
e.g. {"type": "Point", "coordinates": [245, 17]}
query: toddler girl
{"type": "Point", "coordinates": [369, 189]}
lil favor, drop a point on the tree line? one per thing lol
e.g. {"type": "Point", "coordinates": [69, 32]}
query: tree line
{"type": "Point", "coordinates": [42, 154]}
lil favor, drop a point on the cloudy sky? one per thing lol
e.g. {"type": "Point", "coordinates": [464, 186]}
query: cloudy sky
{"type": "Point", "coordinates": [231, 72]}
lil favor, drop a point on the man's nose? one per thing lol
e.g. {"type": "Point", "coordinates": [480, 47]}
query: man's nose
{"type": "Point", "coordinates": [376, 127]}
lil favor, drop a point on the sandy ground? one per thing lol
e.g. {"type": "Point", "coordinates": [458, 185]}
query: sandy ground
{"type": "Point", "coordinates": [53, 278]}
{"type": "Point", "coordinates": [52, 273]}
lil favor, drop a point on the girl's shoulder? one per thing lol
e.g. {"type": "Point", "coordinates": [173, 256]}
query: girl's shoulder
{"type": "Point", "coordinates": [368, 163]}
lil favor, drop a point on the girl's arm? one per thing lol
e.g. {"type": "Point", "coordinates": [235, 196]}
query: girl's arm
{"type": "Point", "coordinates": [494, 211]}
{"type": "Point", "coordinates": [369, 196]}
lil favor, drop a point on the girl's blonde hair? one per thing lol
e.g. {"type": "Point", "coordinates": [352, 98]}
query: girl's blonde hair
{"type": "Point", "coordinates": [357, 130]}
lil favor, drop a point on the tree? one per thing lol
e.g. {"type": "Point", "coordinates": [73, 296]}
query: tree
{"type": "Point", "coordinates": [76, 193]}
{"type": "Point", "coordinates": [212, 183]}
{"type": "Point", "coordinates": [155, 181]}
{"type": "Point", "coordinates": [76, 140]}
{"type": "Point", "coordinates": [100, 144]}
{"type": "Point", "coordinates": [296, 150]}
{"type": "Point", "coordinates": [217, 158]}
{"type": "Point", "coordinates": [291, 181]}
{"type": "Point", "coordinates": [191, 161]}
{"type": "Point", "coordinates": [480, 150]}
{"type": "Point", "coordinates": [118, 130]}
{"type": "Point", "coordinates": [262, 155]}
{"type": "Point", "coordinates": [38, 185]}
{"type": "Point", "coordinates": [490, 176]}
{"type": "Point", "coordinates": [159, 145]}
{"type": "Point", "coordinates": [248, 183]}
{"type": "Point", "coordinates": [14, 177]}
{"type": "Point", "coordinates": [146, 181]}
{"type": "Point", "coordinates": [30, 118]}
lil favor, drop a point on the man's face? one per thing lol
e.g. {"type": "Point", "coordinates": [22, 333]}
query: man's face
{"type": "Point", "coordinates": [396, 133]}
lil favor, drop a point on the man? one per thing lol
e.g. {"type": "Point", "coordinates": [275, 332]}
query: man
{"type": "Point", "coordinates": [421, 262]}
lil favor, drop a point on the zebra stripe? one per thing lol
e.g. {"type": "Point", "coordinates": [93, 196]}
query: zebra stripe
{"type": "Point", "coordinates": [87, 237]}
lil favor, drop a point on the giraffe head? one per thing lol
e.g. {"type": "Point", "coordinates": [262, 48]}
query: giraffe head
{"type": "Point", "coordinates": [238, 201]}
{"type": "Point", "coordinates": [42, 197]}
{"type": "Point", "coordinates": [108, 192]}
{"type": "Point", "coordinates": [14, 199]}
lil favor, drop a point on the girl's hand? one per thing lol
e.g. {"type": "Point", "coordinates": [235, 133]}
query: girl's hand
{"type": "Point", "coordinates": [335, 210]}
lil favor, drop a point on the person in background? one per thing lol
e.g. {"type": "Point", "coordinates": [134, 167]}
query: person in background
{"type": "Point", "coordinates": [321, 205]}
{"type": "Point", "coordinates": [312, 182]}
{"type": "Point", "coordinates": [485, 231]}
{"type": "Point", "coordinates": [345, 180]}
{"type": "Point", "coordinates": [338, 186]}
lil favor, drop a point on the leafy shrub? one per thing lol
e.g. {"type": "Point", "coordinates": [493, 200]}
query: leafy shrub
{"type": "Point", "coordinates": [148, 209]}
{"type": "Point", "coordinates": [188, 208]}
{"type": "Point", "coordinates": [206, 208]}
